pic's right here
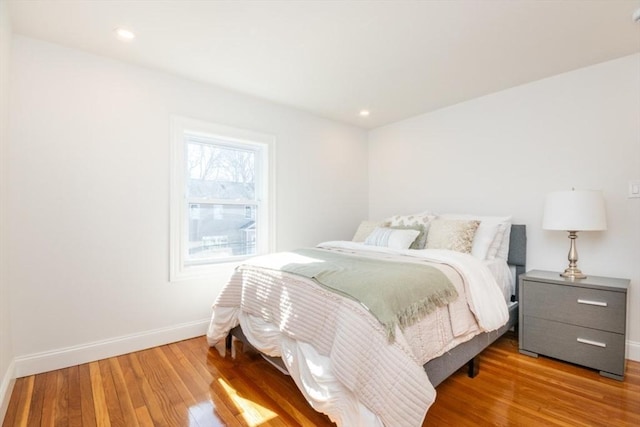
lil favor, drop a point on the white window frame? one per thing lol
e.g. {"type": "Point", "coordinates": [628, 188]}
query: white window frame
{"type": "Point", "coordinates": [178, 215]}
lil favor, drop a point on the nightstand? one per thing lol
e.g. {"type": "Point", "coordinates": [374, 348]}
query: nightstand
{"type": "Point", "coordinates": [580, 321]}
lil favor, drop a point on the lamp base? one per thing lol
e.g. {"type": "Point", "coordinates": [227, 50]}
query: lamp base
{"type": "Point", "coordinates": [573, 273]}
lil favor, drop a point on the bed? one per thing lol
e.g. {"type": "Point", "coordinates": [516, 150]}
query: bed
{"type": "Point", "coordinates": [347, 361]}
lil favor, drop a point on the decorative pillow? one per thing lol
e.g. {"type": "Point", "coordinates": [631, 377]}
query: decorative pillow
{"type": "Point", "coordinates": [420, 240]}
{"type": "Point", "coordinates": [453, 234]}
{"type": "Point", "coordinates": [420, 219]}
{"type": "Point", "coordinates": [365, 228]}
{"type": "Point", "coordinates": [489, 235]}
{"type": "Point", "coordinates": [392, 238]}
{"type": "Point", "coordinates": [500, 246]}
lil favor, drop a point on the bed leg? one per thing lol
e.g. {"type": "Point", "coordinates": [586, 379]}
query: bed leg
{"type": "Point", "coordinates": [228, 341]}
{"type": "Point", "coordinates": [473, 367]}
{"type": "Point", "coordinates": [237, 347]}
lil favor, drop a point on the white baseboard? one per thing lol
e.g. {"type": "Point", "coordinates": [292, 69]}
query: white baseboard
{"type": "Point", "coordinates": [70, 356]}
{"type": "Point", "coordinates": [633, 350]}
{"type": "Point", "coordinates": [6, 387]}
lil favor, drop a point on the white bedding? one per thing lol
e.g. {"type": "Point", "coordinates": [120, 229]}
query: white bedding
{"type": "Point", "coordinates": [505, 276]}
{"type": "Point", "coordinates": [338, 353]}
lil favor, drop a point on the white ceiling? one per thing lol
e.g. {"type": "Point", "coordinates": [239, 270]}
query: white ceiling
{"type": "Point", "coordinates": [334, 58]}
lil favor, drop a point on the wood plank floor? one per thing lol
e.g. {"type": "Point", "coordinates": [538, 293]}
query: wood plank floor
{"type": "Point", "coordinates": [188, 384]}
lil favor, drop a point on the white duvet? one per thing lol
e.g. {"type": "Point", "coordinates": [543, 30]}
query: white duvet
{"type": "Point", "coordinates": [338, 353]}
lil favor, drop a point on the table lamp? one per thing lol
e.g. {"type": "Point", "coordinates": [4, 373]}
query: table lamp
{"type": "Point", "coordinates": [573, 211]}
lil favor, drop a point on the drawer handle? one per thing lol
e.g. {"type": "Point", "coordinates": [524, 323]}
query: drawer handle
{"type": "Point", "coordinates": [589, 302]}
{"type": "Point", "coordinates": [595, 343]}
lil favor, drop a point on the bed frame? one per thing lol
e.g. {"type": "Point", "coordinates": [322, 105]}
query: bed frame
{"type": "Point", "coordinates": [442, 367]}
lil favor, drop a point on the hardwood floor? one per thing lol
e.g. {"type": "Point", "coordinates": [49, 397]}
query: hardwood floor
{"type": "Point", "coordinates": [188, 384]}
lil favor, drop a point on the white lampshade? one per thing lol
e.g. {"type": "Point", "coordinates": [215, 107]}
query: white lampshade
{"type": "Point", "coordinates": [575, 210]}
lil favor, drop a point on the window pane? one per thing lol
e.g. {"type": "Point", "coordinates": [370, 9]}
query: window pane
{"type": "Point", "coordinates": [220, 231]}
{"type": "Point", "coordinates": [220, 172]}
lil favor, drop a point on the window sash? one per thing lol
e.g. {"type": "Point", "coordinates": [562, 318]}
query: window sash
{"type": "Point", "coordinates": [187, 244]}
{"type": "Point", "coordinates": [257, 150]}
{"type": "Point", "coordinates": [188, 130]}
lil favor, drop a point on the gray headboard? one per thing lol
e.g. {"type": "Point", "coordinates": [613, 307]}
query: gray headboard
{"type": "Point", "coordinates": [518, 251]}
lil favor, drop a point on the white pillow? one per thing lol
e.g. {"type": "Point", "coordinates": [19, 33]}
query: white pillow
{"type": "Point", "coordinates": [392, 237]}
{"type": "Point", "coordinates": [421, 240]}
{"type": "Point", "coordinates": [488, 240]}
{"type": "Point", "coordinates": [503, 250]}
{"type": "Point", "coordinates": [485, 234]}
{"type": "Point", "coordinates": [497, 242]}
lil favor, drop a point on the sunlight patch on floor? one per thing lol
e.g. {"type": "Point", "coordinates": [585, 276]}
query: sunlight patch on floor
{"type": "Point", "coordinates": [204, 414]}
{"type": "Point", "coordinates": [253, 413]}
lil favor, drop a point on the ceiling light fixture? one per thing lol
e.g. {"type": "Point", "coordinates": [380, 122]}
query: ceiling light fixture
{"type": "Point", "coordinates": [124, 34]}
{"type": "Point", "coordinates": [636, 15]}
{"type": "Point", "coordinates": [364, 113]}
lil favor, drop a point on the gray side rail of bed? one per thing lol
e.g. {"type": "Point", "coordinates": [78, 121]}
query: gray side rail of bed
{"type": "Point", "coordinates": [442, 367]}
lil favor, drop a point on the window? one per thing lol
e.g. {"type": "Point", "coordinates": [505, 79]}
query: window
{"type": "Point", "coordinates": [220, 202]}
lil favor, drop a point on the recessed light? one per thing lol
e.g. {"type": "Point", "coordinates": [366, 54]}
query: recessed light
{"type": "Point", "coordinates": [364, 113]}
{"type": "Point", "coordinates": [124, 34]}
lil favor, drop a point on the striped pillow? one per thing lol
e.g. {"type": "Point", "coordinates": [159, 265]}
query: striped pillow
{"type": "Point", "coordinates": [392, 238]}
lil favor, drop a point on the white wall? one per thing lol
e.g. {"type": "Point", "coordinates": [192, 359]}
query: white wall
{"type": "Point", "coordinates": [500, 154]}
{"type": "Point", "coordinates": [89, 196]}
{"type": "Point", "coordinates": [6, 351]}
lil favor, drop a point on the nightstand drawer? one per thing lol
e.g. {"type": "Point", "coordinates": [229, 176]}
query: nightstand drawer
{"type": "Point", "coordinates": [592, 308]}
{"type": "Point", "coordinates": [589, 347]}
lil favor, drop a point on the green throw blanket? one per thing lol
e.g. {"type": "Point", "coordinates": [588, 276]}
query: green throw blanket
{"type": "Point", "coordinates": [396, 293]}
